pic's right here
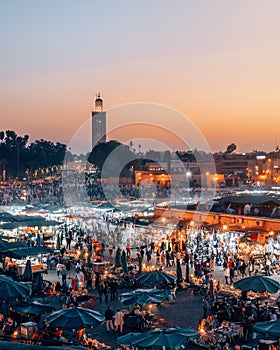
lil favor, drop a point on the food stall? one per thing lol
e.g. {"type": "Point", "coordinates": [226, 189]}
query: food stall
{"type": "Point", "coordinates": [20, 264]}
{"type": "Point", "coordinates": [36, 266]}
{"type": "Point", "coordinates": [252, 245]}
{"type": "Point", "coordinates": [228, 332]}
{"type": "Point", "coordinates": [93, 344]}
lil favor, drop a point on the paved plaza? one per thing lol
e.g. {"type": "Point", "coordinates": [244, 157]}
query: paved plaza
{"type": "Point", "coordinates": [184, 311]}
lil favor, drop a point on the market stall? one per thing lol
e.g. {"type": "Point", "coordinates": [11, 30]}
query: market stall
{"type": "Point", "coordinates": [210, 335]}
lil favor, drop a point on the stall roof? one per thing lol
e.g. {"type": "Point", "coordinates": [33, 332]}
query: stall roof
{"type": "Point", "coordinates": [5, 217]}
{"type": "Point", "coordinates": [20, 218]}
{"type": "Point", "coordinates": [255, 199]}
{"type": "Point", "coordinates": [29, 223]}
{"type": "Point", "coordinates": [4, 246]}
{"type": "Point", "coordinates": [23, 252]}
{"type": "Point", "coordinates": [18, 346]}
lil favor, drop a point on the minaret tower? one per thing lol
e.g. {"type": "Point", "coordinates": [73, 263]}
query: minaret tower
{"type": "Point", "coordinates": [98, 122]}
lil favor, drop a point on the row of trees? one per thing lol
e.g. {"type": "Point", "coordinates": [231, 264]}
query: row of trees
{"type": "Point", "coordinates": [17, 155]}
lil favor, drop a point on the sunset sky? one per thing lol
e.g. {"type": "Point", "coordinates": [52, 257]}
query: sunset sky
{"type": "Point", "coordinates": [216, 62]}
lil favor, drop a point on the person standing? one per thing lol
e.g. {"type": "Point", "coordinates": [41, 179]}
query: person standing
{"type": "Point", "coordinates": [212, 263]}
{"type": "Point", "coordinates": [172, 258]}
{"type": "Point", "coordinates": [242, 269]}
{"type": "Point", "coordinates": [162, 258]}
{"type": "Point", "coordinates": [58, 267]}
{"type": "Point", "coordinates": [112, 290]}
{"type": "Point", "coordinates": [106, 292]}
{"type": "Point", "coordinates": [81, 278]}
{"type": "Point", "coordinates": [78, 267]}
{"type": "Point", "coordinates": [157, 258]}
{"type": "Point", "coordinates": [66, 300]}
{"type": "Point", "coordinates": [167, 255]}
{"type": "Point", "coordinates": [68, 240]}
{"type": "Point", "coordinates": [73, 283]}
{"type": "Point", "coordinates": [278, 301]}
{"type": "Point", "coordinates": [142, 253]}
{"type": "Point", "coordinates": [111, 248]}
{"type": "Point", "coordinates": [93, 280]}
{"type": "Point", "coordinates": [116, 289]}
{"type": "Point", "coordinates": [149, 256]}
{"type": "Point", "coordinates": [251, 267]}
{"type": "Point", "coordinates": [100, 290]}
{"type": "Point", "coordinates": [128, 250]}
{"type": "Point", "coordinates": [119, 320]}
{"type": "Point", "coordinates": [267, 267]}
{"type": "Point", "coordinates": [68, 267]}
{"type": "Point", "coordinates": [109, 314]}
{"type": "Point", "coordinates": [226, 274]}
{"type": "Point", "coordinates": [231, 274]}
{"type": "Point", "coordinates": [88, 279]}
{"type": "Point", "coordinates": [64, 273]}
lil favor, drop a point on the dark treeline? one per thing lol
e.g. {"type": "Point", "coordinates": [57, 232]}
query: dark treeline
{"type": "Point", "coordinates": [17, 155]}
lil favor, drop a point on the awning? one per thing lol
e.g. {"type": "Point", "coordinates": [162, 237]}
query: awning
{"type": "Point", "coordinates": [4, 246]}
{"type": "Point", "coordinates": [18, 253]}
{"type": "Point", "coordinates": [29, 223]}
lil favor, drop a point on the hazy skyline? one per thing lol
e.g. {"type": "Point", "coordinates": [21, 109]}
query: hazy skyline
{"type": "Point", "coordinates": [216, 62]}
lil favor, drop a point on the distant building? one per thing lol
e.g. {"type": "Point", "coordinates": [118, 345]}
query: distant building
{"type": "Point", "coordinates": [233, 166]}
{"type": "Point", "coordinates": [255, 167]}
{"type": "Point", "coordinates": [228, 164]}
{"type": "Point", "coordinates": [98, 122]}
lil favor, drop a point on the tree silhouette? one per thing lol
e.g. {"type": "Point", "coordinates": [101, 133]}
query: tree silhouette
{"type": "Point", "coordinates": [101, 152]}
{"type": "Point", "coordinates": [17, 156]}
{"type": "Point", "coordinates": [230, 148]}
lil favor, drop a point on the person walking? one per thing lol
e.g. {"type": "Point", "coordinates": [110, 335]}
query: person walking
{"type": "Point", "coordinates": [119, 320]}
{"type": "Point", "coordinates": [109, 314]}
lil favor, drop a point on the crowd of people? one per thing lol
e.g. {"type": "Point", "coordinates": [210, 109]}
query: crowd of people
{"type": "Point", "coordinates": [31, 192]}
{"type": "Point", "coordinates": [80, 284]}
{"type": "Point", "coordinates": [51, 189]}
